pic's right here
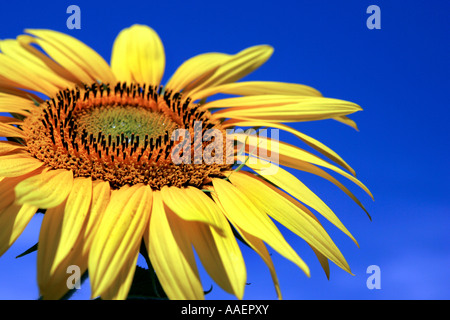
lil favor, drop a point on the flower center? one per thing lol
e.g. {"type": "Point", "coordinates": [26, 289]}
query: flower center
{"type": "Point", "coordinates": [121, 135]}
{"type": "Point", "coordinates": [131, 122]}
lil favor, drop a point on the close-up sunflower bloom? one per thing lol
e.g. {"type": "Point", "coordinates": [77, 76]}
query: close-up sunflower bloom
{"type": "Point", "coordinates": [91, 146]}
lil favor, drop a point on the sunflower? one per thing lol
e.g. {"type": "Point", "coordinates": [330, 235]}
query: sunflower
{"type": "Point", "coordinates": [91, 145]}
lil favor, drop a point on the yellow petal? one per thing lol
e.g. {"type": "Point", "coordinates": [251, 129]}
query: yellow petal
{"type": "Point", "coordinates": [217, 249]}
{"type": "Point", "coordinates": [7, 88]}
{"type": "Point", "coordinates": [236, 67]}
{"type": "Point", "coordinates": [7, 186]}
{"type": "Point", "coordinates": [278, 108]}
{"type": "Point", "coordinates": [18, 164]}
{"type": "Point", "coordinates": [123, 281]}
{"type": "Point", "coordinates": [80, 57]}
{"type": "Point", "coordinates": [307, 167]}
{"type": "Point", "coordinates": [347, 121]}
{"type": "Point", "coordinates": [13, 220]}
{"type": "Point", "coordinates": [7, 130]}
{"type": "Point", "coordinates": [19, 76]}
{"type": "Point", "coordinates": [243, 213]}
{"type": "Point", "coordinates": [119, 57]}
{"type": "Point", "coordinates": [74, 218]}
{"type": "Point", "coordinates": [297, 189]}
{"type": "Point", "coordinates": [7, 191]}
{"type": "Point", "coordinates": [10, 120]}
{"type": "Point", "coordinates": [118, 239]}
{"type": "Point", "coordinates": [258, 246]}
{"type": "Point", "coordinates": [221, 257]}
{"type": "Point", "coordinates": [49, 237]}
{"type": "Point", "coordinates": [101, 194]}
{"type": "Point", "coordinates": [195, 70]}
{"type": "Point", "coordinates": [138, 55]}
{"type": "Point", "coordinates": [27, 41]}
{"type": "Point", "coordinates": [289, 215]}
{"type": "Point", "coordinates": [250, 88]}
{"type": "Point", "coordinates": [317, 145]}
{"type": "Point", "coordinates": [64, 58]}
{"type": "Point", "coordinates": [9, 146]}
{"type": "Point", "coordinates": [269, 100]}
{"type": "Point", "coordinates": [11, 109]}
{"type": "Point", "coordinates": [171, 254]}
{"type": "Point", "coordinates": [45, 190]}
{"type": "Point", "coordinates": [53, 263]}
{"type": "Point", "coordinates": [186, 204]}
{"type": "Point", "coordinates": [291, 156]}
{"type": "Point", "coordinates": [323, 260]}
{"type": "Point", "coordinates": [65, 275]}
{"type": "Point", "coordinates": [16, 51]}
{"type": "Point", "coordinates": [13, 104]}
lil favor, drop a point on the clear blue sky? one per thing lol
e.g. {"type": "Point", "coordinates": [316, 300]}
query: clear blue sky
{"type": "Point", "coordinates": [399, 74]}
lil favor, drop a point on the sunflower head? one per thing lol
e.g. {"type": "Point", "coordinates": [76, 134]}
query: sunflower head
{"type": "Point", "coordinates": [124, 135]}
{"type": "Point", "coordinates": [122, 164]}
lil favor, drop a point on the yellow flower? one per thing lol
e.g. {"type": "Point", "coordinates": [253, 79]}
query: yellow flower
{"type": "Point", "coordinates": [97, 156]}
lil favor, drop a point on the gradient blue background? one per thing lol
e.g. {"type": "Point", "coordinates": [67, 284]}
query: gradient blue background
{"type": "Point", "coordinates": [399, 75]}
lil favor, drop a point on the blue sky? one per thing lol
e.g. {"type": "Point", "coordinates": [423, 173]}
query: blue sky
{"type": "Point", "coordinates": [398, 74]}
